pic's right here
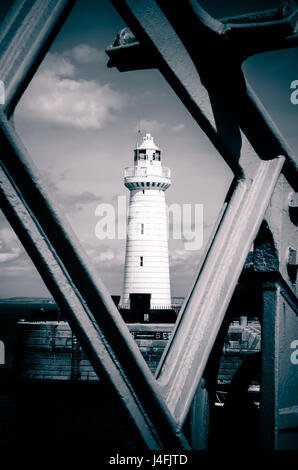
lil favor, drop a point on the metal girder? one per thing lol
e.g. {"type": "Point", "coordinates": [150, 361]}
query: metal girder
{"type": "Point", "coordinates": [279, 398]}
{"type": "Point", "coordinates": [277, 272]}
{"type": "Point", "coordinates": [207, 79]}
{"type": "Point", "coordinates": [24, 43]}
{"type": "Point", "coordinates": [238, 128]}
{"type": "Point", "coordinates": [54, 249]}
{"type": "Point", "coordinates": [202, 314]}
{"type": "Point", "coordinates": [201, 59]}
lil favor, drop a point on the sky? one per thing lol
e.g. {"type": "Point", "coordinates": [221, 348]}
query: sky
{"type": "Point", "coordinates": [79, 120]}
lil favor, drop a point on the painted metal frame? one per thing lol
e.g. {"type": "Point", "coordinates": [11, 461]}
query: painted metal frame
{"type": "Point", "coordinates": [239, 129]}
{"type": "Point", "coordinates": [279, 410]}
{"type": "Point", "coordinates": [201, 59]}
{"type": "Point", "coordinates": [24, 39]}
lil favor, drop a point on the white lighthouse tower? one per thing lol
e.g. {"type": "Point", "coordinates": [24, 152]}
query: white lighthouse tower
{"type": "Point", "coordinates": [147, 258]}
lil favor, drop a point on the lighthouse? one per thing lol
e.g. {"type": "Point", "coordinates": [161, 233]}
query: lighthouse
{"type": "Point", "coordinates": [147, 259]}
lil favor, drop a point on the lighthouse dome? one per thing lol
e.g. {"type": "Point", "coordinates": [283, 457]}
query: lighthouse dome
{"type": "Point", "coordinates": [148, 143]}
{"type": "Point", "coordinates": [147, 151]}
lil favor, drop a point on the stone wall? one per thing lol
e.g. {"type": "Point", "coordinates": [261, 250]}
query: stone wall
{"type": "Point", "coordinates": [240, 341]}
{"type": "Point", "coordinates": [49, 350]}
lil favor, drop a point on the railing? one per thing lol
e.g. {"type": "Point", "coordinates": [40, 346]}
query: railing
{"type": "Point", "coordinates": [154, 307]}
{"type": "Point", "coordinates": [135, 171]}
{"type": "Point", "coordinates": [162, 172]}
{"type": "Point", "coordinates": [166, 172]}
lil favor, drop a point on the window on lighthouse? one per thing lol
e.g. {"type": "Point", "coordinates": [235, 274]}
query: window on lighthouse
{"type": "Point", "coordinates": [142, 229]}
{"type": "Point", "coordinates": [141, 260]}
{"type": "Point", "coordinates": [142, 154]}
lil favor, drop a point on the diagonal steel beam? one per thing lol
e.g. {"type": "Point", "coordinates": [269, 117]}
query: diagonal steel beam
{"type": "Point", "coordinates": [58, 256]}
{"type": "Point", "coordinates": [204, 69]}
{"type": "Point", "coordinates": [61, 262]}
{"type": "Point", "coordinates": [236, 125]}
{"type": "Point", "coordinates": [23, 44]}
{"type": "Point", "coordinates": [202, 314]}
{"type": "Point", "coordinates": [219, 67]}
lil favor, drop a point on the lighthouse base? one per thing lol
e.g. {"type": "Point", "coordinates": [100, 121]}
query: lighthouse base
{"type": "Point", "coordinates": [152, 316]}
{"type": "Point", "coordinates": [139, 311]}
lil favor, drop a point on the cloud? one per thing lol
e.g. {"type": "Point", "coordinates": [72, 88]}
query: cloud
{"type": "Point", "coordinates": [101, 254]}
{"type": "Point", "coordinates": [9, 255]}
{"type": "Point", "coordinates": [56, 65]}
{"type": "Point", "coordinates": [10, 249]}
{"type": "Point", "coordinates": [85, 54]}
{"type": "Point", "coordinates": [154, 127]}
{"type": "Point", "coordinates": [75, 202]}
{"type": "Point", "coordinates": [57, 97]}
{"type": "Point", "coordinates": [177, 256]}
{"type": "Point", "coordinates": [3, 220]}
{"type": "Point", "coordinates": [178, 128]}
{"type": "Point", "coordinates": [18, 276]}
{"type": "Point", "coordinates": [68, 202]}
{"type": "Point", "coordinates": [185, 259]}
{"type": "Point", "coordinates": [104, 256]}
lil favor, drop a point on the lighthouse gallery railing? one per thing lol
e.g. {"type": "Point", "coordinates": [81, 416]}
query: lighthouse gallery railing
{"type": "Point", "coordinates": [144, 171]}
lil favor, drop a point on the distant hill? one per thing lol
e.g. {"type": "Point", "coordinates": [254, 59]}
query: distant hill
{"type": "Point", "coordinates": [27, 300]}
{"type": "Point", "coordinates": [14, 309]}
